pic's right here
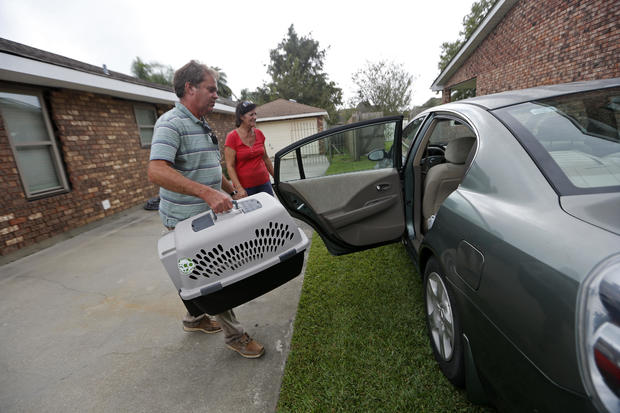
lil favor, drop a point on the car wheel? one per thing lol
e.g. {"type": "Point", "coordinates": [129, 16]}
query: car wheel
{"type": "Point", "coordinates": [442, 321]}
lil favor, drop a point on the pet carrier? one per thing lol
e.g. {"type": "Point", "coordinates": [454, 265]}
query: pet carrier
{"type": "Point", "coordinates": [220, 261]}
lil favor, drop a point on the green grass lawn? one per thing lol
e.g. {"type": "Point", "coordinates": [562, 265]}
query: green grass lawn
{"type": "Point", "coordinates": [360, 342]}
{"type": "Point", "coordinates": [340, 164]}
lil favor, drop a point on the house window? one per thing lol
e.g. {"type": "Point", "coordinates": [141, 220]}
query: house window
{"type": "Point", "coordinates": [145, 118]}
{"type": "Point", "coordinates": [32, 142]}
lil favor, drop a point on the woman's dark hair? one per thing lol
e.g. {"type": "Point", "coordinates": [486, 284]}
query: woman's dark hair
{"type": "Point", "coordinates": [243, 107]}
{"type": "Point", "coordinates": [194, 73]}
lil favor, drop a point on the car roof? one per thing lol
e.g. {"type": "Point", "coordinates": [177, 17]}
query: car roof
{"type": "Point", "coordinates": [513, 97]}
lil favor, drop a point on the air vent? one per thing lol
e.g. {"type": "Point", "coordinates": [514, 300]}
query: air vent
{"type": "Point", "coordinates": [262, 242]}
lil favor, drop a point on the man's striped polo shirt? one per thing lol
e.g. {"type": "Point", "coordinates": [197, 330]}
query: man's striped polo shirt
{"type": "Point", "coordinates": [181, 139]}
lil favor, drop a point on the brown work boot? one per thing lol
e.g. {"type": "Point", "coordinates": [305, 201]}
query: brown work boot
{"type": "Point", "coordinates": [206, 325]}
{"type": "Point", "coordinates": [247, 347]}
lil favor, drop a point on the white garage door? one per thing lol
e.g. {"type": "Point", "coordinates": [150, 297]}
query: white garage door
{"type": "Point", "coordinates": [279, 134]}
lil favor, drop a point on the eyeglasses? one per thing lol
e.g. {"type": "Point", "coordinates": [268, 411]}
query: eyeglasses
{"type": "Point", "coordinates": [246, 103]}
{"type": "Point", "coordinates": [209, 131]}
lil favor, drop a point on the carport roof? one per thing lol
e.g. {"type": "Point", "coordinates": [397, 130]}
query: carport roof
{"type": "Point", "coordinates": [281, 109]}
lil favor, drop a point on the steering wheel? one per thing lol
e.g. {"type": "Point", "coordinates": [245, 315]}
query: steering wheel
{"type": "Point", "coordinates": [435, 155]}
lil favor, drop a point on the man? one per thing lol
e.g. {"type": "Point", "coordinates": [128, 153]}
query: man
{"type": "Point", "coordinates": [185, 163]}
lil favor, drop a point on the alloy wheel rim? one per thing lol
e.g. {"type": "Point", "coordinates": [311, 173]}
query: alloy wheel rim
{"type": "Point", "coordinates": [439, 315]}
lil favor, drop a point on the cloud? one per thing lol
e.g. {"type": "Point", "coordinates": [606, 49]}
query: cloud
{"type": "Point", "coordinates": [237, 36]}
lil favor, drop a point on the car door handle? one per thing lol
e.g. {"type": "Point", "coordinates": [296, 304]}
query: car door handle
{"type": "Point", "coordinates": [383, 187]}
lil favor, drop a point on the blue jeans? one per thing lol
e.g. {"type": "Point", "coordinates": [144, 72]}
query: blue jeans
{"type": "Point", "coordinates": [266, 187]}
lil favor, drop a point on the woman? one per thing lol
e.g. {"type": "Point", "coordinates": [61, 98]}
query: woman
{"type": "Point", "coordinates": [247, 162]}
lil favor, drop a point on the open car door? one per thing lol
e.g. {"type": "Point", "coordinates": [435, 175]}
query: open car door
{"type": "Point", "coordinates": [345, 182]}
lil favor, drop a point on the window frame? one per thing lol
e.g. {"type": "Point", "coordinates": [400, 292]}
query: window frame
{"type": "Point", "coordinates": [405, 135]}
{"type": "Point", "coordinates": [147, 106]}
{"type": "Point", "coordinates": [57, 160]}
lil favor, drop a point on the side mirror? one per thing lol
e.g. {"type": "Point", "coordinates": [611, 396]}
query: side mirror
{"type": "Point", "coordinates": [377, 155]}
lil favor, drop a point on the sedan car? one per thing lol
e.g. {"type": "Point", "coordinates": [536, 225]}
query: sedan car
{"type": "Point", "coordinates": [510, 207]}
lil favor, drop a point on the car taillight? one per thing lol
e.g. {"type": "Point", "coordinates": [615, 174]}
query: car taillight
{"type": "Point", "coordinates": [607, 357]}
{"type": "Point", "coordinates": [598, 334]}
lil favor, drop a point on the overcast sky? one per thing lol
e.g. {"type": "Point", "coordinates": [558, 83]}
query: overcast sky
{"type": "Point", "coordinates": [237, 35]}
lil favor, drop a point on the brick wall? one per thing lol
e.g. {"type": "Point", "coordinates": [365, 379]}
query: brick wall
{"type": "Point", "coordinates": [547, 42]}
{"type": "Point", "coordinates": [319, 124]}
{"type": "Point", "coordinates": [100, 145]}
{"type": "Point", "coordinates": [221, 124]}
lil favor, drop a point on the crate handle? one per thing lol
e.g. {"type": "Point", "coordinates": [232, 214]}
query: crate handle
{"type": "Point", "coordinates": [228, 214]}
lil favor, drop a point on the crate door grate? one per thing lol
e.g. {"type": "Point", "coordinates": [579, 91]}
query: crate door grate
{"type": "Point", "coordinates": [266, 241]}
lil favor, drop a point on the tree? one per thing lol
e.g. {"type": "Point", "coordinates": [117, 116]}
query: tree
{"type": "Point", "coordinates": [158, 73]}
{"type": "Point", "coordinates": [385, 86]}
{"type": "Point", "coordinates": [296, 71]}
{"type": "Point", "coordinates": [153, 72]}
{"type": "Point", "coordinates": [260, 96]}
{"type": "Point", "coordinates": [448, 51]}
{"type": "Point", "coordinates": [471, 21]}
{"type": "Point", "coordinates": [428, 104]}
{"type": "Point", "coordinates": [222, 84]}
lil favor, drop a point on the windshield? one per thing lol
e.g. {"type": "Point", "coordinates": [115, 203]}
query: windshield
{"type": "Point", "coordinates": [574, 139]}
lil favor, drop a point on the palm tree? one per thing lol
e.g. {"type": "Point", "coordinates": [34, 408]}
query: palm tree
{"type": "Point", "coordinates": [222, 84]}
{"type": "Point", "coordinates": [153, 72]}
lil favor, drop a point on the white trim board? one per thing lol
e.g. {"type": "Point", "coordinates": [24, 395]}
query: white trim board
{"type": "Point", "coordinates": [22, 70]}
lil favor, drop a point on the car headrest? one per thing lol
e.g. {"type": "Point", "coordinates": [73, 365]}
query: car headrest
{"type": "Point", "coordinates": [458, 149]}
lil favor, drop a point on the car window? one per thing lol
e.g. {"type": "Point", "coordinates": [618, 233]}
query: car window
{"type": "Point", "coordinates": [341, 152]}
{"type": "Point", "coordinates": [435, 140]}
{"type": "Point", "coordinates": [574, 139]}
{"type": "Point", "coordinates": [409, 134]}
{"type": "Point", "coordinates": [444, 130]}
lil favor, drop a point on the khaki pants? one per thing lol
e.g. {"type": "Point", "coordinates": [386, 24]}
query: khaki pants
{"type": "Point", "coordinates": [233, 330]}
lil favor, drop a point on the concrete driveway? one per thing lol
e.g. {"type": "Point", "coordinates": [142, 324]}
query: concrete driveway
{"type": "Point", "coordinates": [93, 323]}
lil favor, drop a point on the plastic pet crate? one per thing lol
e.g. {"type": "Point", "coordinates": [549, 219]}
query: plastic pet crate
{"type": "Point", "coordinates": [220, 261]}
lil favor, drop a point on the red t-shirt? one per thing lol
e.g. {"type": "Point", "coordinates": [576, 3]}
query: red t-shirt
{"type": "Point", "coordinates": [249, 166]}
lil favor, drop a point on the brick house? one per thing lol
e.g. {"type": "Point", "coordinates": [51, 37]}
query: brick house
{"type": "Point", "coordinates": [74, 142]}
{"type": "Point", "coordinates": [526, 43]}
{"type": "Point", "coordinates": [285, 121]}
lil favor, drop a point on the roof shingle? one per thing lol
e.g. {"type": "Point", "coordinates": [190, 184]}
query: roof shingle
{"type": "Point", "coordinates": [283, 108]}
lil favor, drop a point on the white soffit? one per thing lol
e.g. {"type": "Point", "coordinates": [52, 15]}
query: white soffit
{"type": "Point", "coordinates": [22, 70]}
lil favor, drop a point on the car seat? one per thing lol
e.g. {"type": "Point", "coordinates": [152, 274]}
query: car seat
{"type": "Point", "coordinates": [441, 180]}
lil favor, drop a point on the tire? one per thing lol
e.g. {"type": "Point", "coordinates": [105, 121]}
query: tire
{"type": "Point", "coordinates": [443, 324]}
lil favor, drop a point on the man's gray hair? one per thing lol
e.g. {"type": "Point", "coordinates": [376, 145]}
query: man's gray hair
{"type": "Point", "coordinates": [194, 73]}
